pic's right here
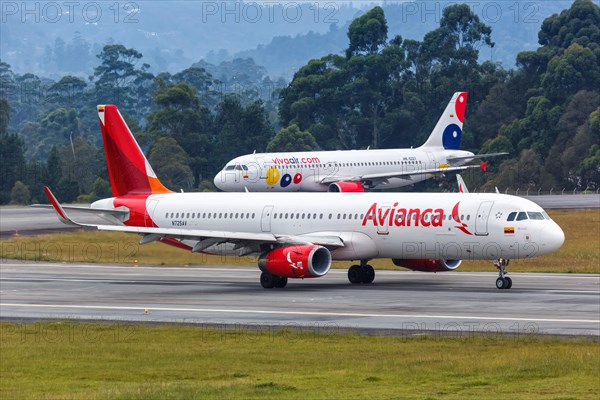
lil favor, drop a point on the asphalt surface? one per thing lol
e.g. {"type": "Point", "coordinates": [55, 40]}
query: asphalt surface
{"type": "Point", "coordinates": [29, 220]}
{"type": "Point", "coordinates": [567, 201]}
{"type": "Point", "coordinates": [32, 220]}
{"type": "Point", "coordinates": [398, 303]}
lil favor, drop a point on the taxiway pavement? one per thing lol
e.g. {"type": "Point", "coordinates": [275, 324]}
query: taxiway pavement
{"type": "Point", "coordinates": [397, 303]}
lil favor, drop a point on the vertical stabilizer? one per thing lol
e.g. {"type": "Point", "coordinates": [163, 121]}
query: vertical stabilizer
{"type": "Point", "coordinates": [448, 130]}
{"type": "Point", "coordinates": [462, 188]}
{"type": "Point", "coordinates": [129, 170]}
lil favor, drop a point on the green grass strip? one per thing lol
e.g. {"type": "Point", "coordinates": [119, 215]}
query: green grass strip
{"type": "Point", "coordinates": [69, 360]}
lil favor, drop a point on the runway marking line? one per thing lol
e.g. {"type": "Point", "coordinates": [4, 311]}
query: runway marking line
{"type": "Point", "coordinates": [306, 313]}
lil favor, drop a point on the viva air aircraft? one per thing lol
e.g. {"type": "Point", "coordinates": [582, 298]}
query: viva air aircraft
{"type": "Point", "coordinates": [298, 235]}
{"type": "Point", "coordinates": [355, 170]}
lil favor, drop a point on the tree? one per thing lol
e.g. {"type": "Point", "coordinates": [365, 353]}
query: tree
{"type": "Point", "coordinates": [12, 164]}
{"type": "Point", "coordinates": [182, 117]}
{"type": "Point", "coordinates": [53, 170]}
{"type": "Point", "coordinates": [19, 193]}
{"type": "Point", "coordinates": [4, 117]}
{"type": "Point", "coordinates": [578, 24]}
{"type": "Point", "coordinates": [367, 33]}
{"type": "Point", "coordinates": [292, 139]}
{"type": "Point", "coordinates": [67, 92]}
{"type": "Point", "coordinates": [576, 69]}
{"type": "Point", "coordinates": [171, 164]}
{"type": "Point", "coordinates": [119, 80]}
{"type": "Point", "coordinates": [239, 130]}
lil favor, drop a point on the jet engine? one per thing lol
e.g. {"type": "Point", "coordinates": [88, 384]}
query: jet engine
{"type": "Point", "coordinates": [428, 265]}
{"type": "Point", "coordinates": [346, 187]}
{"type": "Point", "coordinates": [306, 261]}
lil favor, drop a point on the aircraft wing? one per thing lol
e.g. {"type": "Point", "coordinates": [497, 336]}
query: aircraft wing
{"type": "Point", "coordinates": [469, 158]}
{"type": "Point", "coordinates": [89, 210]}
{"type": "Point", "coordinates": [205, 238]}
{"type": "Point", "coordinates": [400, 174]}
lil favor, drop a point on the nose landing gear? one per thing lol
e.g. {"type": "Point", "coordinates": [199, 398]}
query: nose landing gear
{"type": "Point", "coordinates": [503, 281]}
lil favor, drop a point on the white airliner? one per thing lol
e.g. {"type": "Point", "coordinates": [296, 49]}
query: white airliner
{"type": "Point", "coordinates": [355, 170]}
{"type": "Point", "coordinates": [297, 235]}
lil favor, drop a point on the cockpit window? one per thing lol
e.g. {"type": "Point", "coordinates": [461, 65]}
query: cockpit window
{"type": "Point", "coordinates": [245, 167]}
{"type": "Point", "coordinates": [535, 215]}
{"type": "Point", "coordinates": [545, 214]}
{"type": "Point", "coordinates": [230, 168]}
{"type": "Point", "coordinates": [511, 216]}
{"type": "Point", "coordinates": [522, 216]}
{"type": "Point", "coordinates": [238, 167]}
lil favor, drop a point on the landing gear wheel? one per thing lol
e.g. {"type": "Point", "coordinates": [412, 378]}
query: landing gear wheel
{"type": "Point", "coordinates": [355, 274]}
{"type": "Point", "coordinates": [503, 281]}
{"type": "Point", "coordinates": [267, 280]}
{"type": "Point", "coordinates": [368, 274]}
{"type": "Point", "coordinates": [281, 281]}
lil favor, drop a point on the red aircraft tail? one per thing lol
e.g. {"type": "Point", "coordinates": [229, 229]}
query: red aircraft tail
{"type": "Point", "coordinates": [129, 170]}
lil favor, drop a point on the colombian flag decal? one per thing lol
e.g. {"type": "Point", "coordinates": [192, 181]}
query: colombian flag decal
{"type": "Point", "coordinates": [509, 230]}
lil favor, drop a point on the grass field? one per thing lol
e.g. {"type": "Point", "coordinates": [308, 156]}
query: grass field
{"type": "Point", "coordinates": [67, 360]}
{"type": "Point", "coordinates": [579, 254]}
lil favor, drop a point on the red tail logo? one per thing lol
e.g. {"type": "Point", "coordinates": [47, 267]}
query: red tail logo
{"type": "Point", "coordinates": [129, 171]}
{"type": "Point", "coordinates": [456, 217]}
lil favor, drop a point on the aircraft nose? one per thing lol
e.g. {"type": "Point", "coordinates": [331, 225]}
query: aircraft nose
{"type": "Point", "coordinates": [218, 181]}
{"type": "Point", "coordinates": [552, 237]}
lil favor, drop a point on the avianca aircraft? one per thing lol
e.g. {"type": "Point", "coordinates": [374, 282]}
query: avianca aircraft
{"type": "Point", "coordinates": [298, 235]}
{"type": "Point", "coordinates": [355, 170]}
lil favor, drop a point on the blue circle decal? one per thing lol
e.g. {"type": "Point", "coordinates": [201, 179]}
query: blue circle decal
{"type": "Point", "coordinates": [285, 180]}
{"type": "Point", "coordinates": [451, 137]}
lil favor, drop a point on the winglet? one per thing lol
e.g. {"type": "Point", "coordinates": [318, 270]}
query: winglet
{"type": "Point", "coordinates": [62, 215]}
{"type": "Point", "coordinates": [484, 165]}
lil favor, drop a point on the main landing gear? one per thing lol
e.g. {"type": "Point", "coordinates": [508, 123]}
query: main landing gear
{"type": "Point", "coordinates": [363, 273]}
{"type": "Point", "coordinates": [503, 281]}
{"type": "Point", "coordinates": [269, 281]}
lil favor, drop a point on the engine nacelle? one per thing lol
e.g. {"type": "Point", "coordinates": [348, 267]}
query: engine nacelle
{"type": "Point", "coordinates": [346, 187]}
{"type": "Point", "coordinates": [306, 261]}
{"type": "Point", "coordinates": [428, 265]}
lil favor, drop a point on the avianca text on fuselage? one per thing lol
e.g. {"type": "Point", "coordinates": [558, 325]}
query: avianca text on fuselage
{"type": "Point", "coordinates": [392, 216]}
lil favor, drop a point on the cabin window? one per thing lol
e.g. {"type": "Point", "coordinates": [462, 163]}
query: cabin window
{"type": "Point", "coordinates": [177, 215]}
{"type": "Point", "coordinates": [231, 215]}
{"type": "Point", "coordinates": [522, 216]}
{"type": "Point", "coordinates": [339, 216]}
{"type": "Point", "coordinates": [330, 216]}
{"type": "Point", "coordinates": [468, 217]}
{"type": "Point", "coordinates": [236, 215]}
{"type": "Point", "coordinates": [303, 215]}
{"type": "Point", "coordinates": [167, 215]}
{"type": "Point", "coordinates": [320, 216]}
{"type": "Point", "coordinates": [297, 215]}
{"type": "Point", "coordinates": [308, 216]}
{"type": "Point", "coordinates": [253, 215]}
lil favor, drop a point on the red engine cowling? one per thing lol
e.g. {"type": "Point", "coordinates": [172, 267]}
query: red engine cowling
{"type": "Point", "coordinates": [306, 261]}
{"type": "Point", "coordinates": [346, 187]}
{"type": "Point", "coordinates": [428, 265]}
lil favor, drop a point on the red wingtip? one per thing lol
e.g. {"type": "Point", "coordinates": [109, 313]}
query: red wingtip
{"type": "Point", "coordinates": [484, 166]}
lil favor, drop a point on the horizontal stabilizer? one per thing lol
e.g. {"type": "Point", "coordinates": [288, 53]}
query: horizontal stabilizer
{"type": "Point", "coordinates": [453, 159]}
